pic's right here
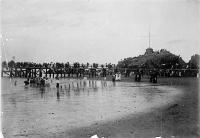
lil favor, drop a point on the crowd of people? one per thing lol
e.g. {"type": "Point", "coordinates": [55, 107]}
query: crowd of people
{"type": "Point", "coordinates": [38, 81]}
{"type": "Point", "coordinates": [102, 73]}
{"type": "Point", "coordinates": [13, 64]}
{"type": "Point", "coordinates": [95, 70]}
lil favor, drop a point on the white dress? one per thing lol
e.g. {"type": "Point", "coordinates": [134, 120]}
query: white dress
{"type": "Point", "coordinates": [118, 76]}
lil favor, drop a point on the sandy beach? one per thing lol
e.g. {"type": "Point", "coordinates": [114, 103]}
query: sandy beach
{"type": "Point", "coordinates": [180, 120]}
{"type": "Point", "coordinates": [166, 114]}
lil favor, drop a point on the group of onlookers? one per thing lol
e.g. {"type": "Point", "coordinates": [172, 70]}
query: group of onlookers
{"type": "Point", "coordinates": [164, 73]}
{"type": "Point", "coordinates": [116, 77]}
{"type": "Point", "coordinates": [38, 81]}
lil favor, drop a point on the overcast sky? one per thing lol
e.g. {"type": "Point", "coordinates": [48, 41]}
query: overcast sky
{"type": "Point", "coordinates": [97, 30]}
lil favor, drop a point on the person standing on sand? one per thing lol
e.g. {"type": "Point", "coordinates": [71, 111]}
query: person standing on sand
{"type": "Point", "coordinates": [153, 76]}
{"type": "Point", "coordinates": [113, 78]}
{"type": "Point", "coordinates": [57, 82]}
{"type": "Point", "coordinates": [26, 82]}
{"type": "Point", "coordinates": [42, 81]}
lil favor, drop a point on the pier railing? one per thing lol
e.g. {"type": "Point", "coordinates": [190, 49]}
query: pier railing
{"type": "Point", "coordinates": [93, 72]}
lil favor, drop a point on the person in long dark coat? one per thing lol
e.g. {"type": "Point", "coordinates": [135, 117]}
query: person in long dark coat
{"type": "Point", "coordinates": [153, 76]}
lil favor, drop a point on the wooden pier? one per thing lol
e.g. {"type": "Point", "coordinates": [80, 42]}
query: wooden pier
{"type": "Point", "coordinates": [33, 72]}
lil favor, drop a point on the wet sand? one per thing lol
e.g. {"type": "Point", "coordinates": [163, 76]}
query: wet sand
{"type": "Point", "coordinates": [178, 118]}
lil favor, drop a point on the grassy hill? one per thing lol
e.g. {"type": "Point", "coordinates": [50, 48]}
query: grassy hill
{"type": "Point", "coordinates": [157, 59]}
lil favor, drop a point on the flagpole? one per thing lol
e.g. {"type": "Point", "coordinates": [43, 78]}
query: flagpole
{"type": "Point", "coordinates": [149, 38]}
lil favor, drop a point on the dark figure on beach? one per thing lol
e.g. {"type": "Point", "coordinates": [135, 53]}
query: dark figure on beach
{"type": "Point", "coordinates": [40, 73]}
{"type": "Point", "coordinates": [113, 78]}
{"type": "Point", "coordinates": [32, 81]}
{"type": "Point", "coordinates": [93, 72]}
{"type": "Point", "coordinates": [104, 72]}
{"type": "Point", "coordinates": [42, 82]}
{"type": "Point", "coordinates": [153, 76]}
{"type": "Point", "coordinates": [138, 76]}
{"type": "Point", "coordinates": [57, 83]}
{"type": "Point", "coordinates": [26, 82]}
{"type": "Point", "coordinates": [77, 73]}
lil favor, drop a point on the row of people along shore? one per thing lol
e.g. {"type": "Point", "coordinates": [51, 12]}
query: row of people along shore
{"type": "Point", "coordinates": [45, 81]}
{"type": "Point", "coordinates": [95, 69]}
